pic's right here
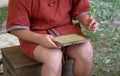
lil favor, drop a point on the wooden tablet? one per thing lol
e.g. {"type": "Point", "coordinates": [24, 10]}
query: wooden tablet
{"type": "Point", "coordinates": [65, 40]}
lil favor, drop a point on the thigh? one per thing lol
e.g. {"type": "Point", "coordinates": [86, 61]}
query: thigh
{"type": "Point", "coordinates": [44, 55]}
{"type": "Point", "coordinates": [81, 51]}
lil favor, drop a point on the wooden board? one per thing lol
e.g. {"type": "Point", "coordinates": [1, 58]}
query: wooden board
{"type": "Point", "coordinates": [16, 64]}
{"type": "Point", "coordinates": [71, 39]}
{"type": "Point", "coordinates": [16, 58]}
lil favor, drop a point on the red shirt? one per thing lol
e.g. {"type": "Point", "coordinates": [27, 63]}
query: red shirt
{"type": "Point", "coordinates": [37, 15]}
{"type": "Point", "coordinates": [43, 14]}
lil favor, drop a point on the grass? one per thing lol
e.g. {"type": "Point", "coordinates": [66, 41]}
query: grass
{"type": "Point", "coordinates": [107, 53]}
{"type": "Point", "coordinates": [106, 41]}
{"type": "Point", "coordinates": [3, 14]}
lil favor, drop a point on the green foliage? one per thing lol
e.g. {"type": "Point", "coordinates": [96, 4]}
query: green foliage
{"type": "Point", "coordinates": [106, 41]}
{"type": "Point", "coordinates": [105, 10]}
{"type": "Point", "coordinates": [3, 14]}
{"type": "Point", "coordinates": [107, 54]}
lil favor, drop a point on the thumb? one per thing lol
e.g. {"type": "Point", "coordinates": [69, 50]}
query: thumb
{"type": "Point", "coordinates": [55, 41]}
{"type": "Point", "coordinates": [90, 22]}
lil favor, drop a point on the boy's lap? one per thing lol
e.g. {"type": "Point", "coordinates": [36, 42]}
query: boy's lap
{"type": "Point", "coordinates": [43, 54]}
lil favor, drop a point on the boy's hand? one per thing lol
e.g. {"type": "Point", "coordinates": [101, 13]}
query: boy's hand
{"type": "Point", "coordinates": [48, 41]}
{"type": "Point", "coordinates": [89, 22]}
{"type": "Point", "coordinates": [93, 25]}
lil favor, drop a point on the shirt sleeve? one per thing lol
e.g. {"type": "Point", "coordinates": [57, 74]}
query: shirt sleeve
{"type": "Point", "coordinates": [18, 15]}
{"type": "Point", "coordinates": [79, 7]}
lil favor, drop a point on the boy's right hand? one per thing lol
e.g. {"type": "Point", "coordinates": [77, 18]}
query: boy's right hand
{"type": "Point", "coordinates": [48, 41]}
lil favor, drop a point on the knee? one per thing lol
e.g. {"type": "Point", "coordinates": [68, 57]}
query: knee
{"type": "Point", "coordinates": [55, 60]}
{"type": "Point", "coordinates": [88, 49]}
{"type": "Point", "coordinates": [87, 52]}
{"type": "Point", "coordinates": [82, 52]}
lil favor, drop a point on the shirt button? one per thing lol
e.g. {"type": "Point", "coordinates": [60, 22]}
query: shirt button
{"type": "Point", "coordinates": [52, 3]}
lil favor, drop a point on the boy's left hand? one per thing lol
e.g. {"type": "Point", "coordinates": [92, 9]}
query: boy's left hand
{"type": "Point", "coordinates": [89, 22]}
{"type": "Point", "coordinates": [93, 25]}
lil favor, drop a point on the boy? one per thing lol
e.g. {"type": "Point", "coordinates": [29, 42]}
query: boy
{"type": "Point", "coordinates": [30, 20]}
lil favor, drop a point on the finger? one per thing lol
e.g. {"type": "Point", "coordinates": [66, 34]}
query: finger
{"type": "Point", "coordinates": [91, 19]}
{"type": "Point", "coordinates": [92, 24]}
{"type": "Point", "coordinates": [54, 42]}
{"type": "Point", "coordinates": [94, 29]}
{"type": "Point", "coordinates": [95, 26]}
{"type": "Point", "coordinates": [53, 39]}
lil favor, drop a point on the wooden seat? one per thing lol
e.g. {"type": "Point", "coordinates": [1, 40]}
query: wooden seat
{"type": "Point", "coordinates": [16, 64]}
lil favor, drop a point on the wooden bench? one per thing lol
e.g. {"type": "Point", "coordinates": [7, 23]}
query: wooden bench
{"type": "Point", "coordinates": [16, 64]}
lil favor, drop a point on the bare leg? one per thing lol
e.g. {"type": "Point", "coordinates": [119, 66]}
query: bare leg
{"type": "Point", "coordinates": [51, 59]}
{"type": "Point", "coordinates": [83, 56]}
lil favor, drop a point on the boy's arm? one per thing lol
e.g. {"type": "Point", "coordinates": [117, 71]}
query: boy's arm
{"type": "Point", "coordinates": [89, 22]}
{"type": "Point", "coordinates": [80, 10]}
{"type": "Point", "coordinates": [18, 23]}
{"type": "Point", "coordinates": [42, 39]}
